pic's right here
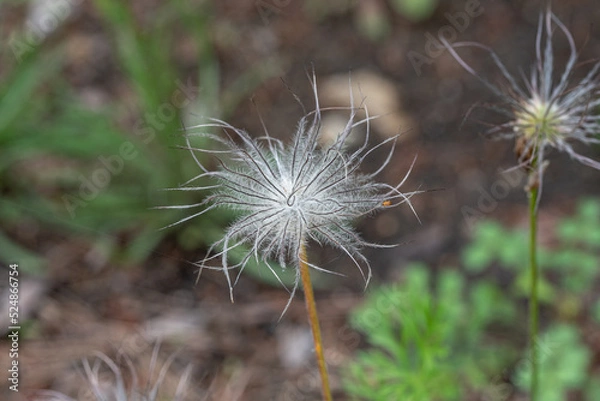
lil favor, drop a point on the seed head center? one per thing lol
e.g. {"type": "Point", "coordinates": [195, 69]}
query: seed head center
{"type": "Point", "coordinates": [539, 119]}
{"type": "Point", "coordinates": [290, 192]}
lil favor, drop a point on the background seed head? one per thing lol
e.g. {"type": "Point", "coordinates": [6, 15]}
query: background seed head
{"type": "Point", "coordinates": [106, 381]}
{"type": "Point", "coordinates": [550, 109]}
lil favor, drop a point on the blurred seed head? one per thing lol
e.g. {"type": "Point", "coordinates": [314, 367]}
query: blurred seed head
{"type": "Point", "coordinates": [289, 194]}
{"type": "Point", "coordinates": [550, 108]}
{"type": "Point", "coordinates": [107, 381]}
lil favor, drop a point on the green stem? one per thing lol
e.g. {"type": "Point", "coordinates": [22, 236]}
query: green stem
{"type": "Point", "coordinates": [533, 300]}
{"type": "Point", "coordinates": [313, 319]}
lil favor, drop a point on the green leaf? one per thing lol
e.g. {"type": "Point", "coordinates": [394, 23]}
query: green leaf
{"type": "Point", "coordinates": [18, 90]}
{"type": "Point", "coordinates": [596, 311]}
{"type": "Point", "coordinates": [564, 362]}
{"type": "Point", "coordinates": [477, 259]}
{"type": "Point", "coordinates": [28, 261]}
{"type": "Point", "coordinates": [589, 210]}
{"type": "Point", "coordinates": [489, 242]}
{"type": "Point", "coordinates": [490, 304]}
{"type": "Point", "coordinates": [569, 230]}
{"type": "Point", "coordinates": [415, 10]}
{"type": "Point", "coordinates": [546, 291]}
{"type": "Point", "coordinates": [418, 348]}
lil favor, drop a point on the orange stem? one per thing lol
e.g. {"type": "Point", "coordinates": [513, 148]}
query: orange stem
{"type": "Point", "coordinates": [313, 319]}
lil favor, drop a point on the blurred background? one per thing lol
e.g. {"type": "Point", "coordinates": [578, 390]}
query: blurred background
{"type": "Point", "coordinates": [94, 96]}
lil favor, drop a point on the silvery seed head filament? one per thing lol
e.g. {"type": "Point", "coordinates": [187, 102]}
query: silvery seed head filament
{"type": "Point", "coordinates": [290, 194]}
{"type": "Point", "coordinates": [106, 380]}
{"type": "Point", "coordinates": [550, 109]}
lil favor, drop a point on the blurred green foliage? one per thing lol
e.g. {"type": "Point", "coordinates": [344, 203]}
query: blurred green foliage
{"type": "Point", "coordinates": [425, 346]}
{"type": "Point", "coordinates": [564, 363]}
{"type": "Point", "coordinates": [455, 335]}
{"type": "Point", "coordinates": [76, 171]}
{"type": "Point", "coordinates": [415, 10]}
{"type": "Point", "coordinates": [573, 260]}
{"type": "Point", "coordinates": [63, 165]}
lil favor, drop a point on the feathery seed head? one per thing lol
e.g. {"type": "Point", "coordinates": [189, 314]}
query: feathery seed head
{"type": "Point", "coordinates": [548, 110]}
{"type": "Point", "coordinates": [107, 381]}
{"type": "Point", "coordinates": [289, 194]}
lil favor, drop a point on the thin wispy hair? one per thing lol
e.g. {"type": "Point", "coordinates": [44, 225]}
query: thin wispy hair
{"type": "Point", "coordinates": [117, 388]}
{"type": "Point", "coordinates": [290, 194]}
{"type": "Point", "coordinates": [546, 109]}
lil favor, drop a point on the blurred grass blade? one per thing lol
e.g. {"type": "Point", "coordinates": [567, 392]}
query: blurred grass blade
{"type": "Point", "coordinates": [144, 54]}
{"type": "Point", "coordinates": [18, 89]}
{"type": "Point", "coordinates": [11, 252]}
